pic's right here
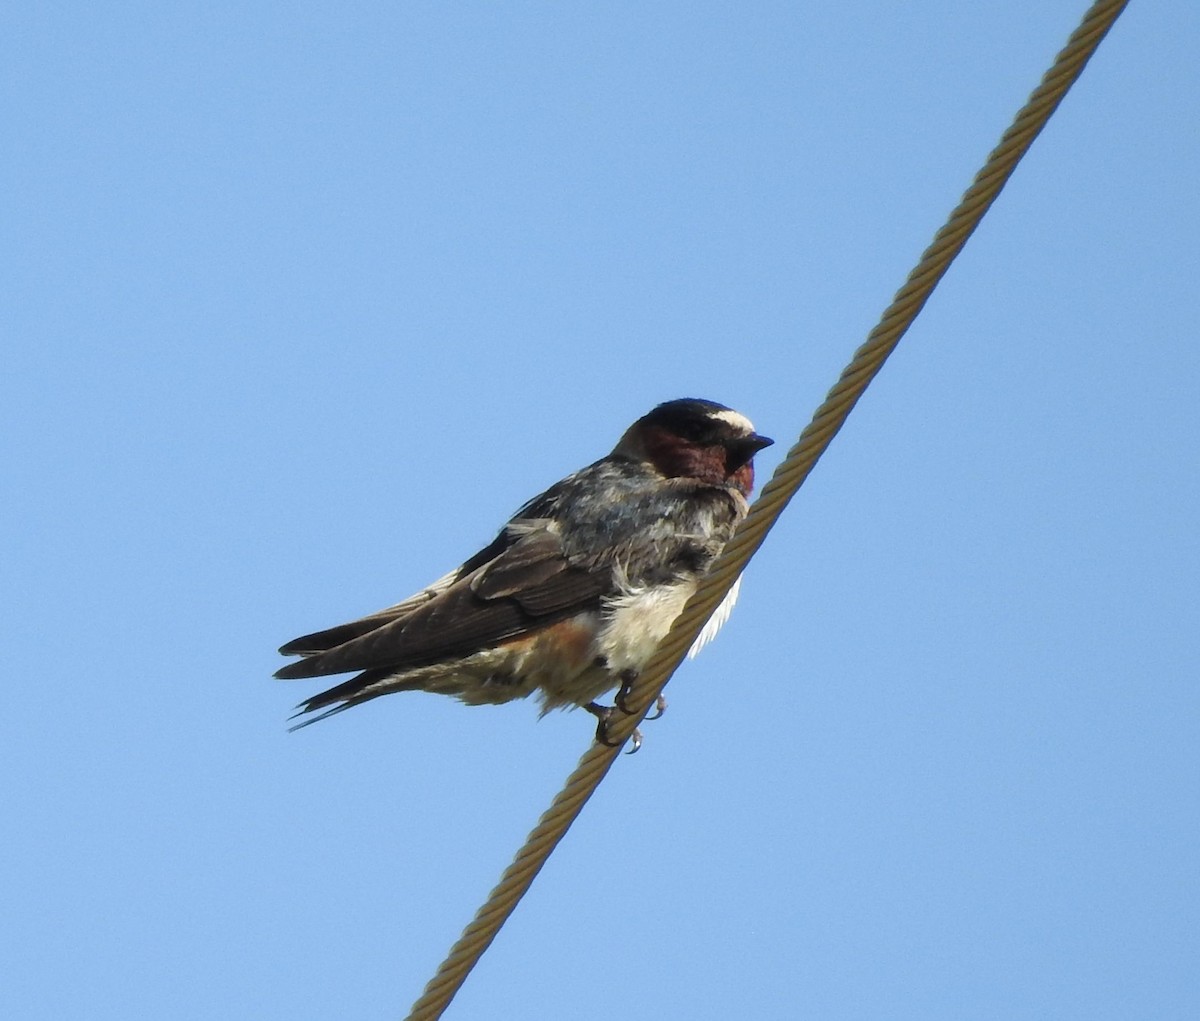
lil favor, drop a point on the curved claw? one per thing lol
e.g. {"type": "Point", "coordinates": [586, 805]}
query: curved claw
{"type": "Point", "coordinates": [660, 707]}
{"type": "Point", "coordinates": [602, 736]}
{"type": "Point", "coordinates": [620, 700]}
{"type": "Point", "coordinates": [603, 714]}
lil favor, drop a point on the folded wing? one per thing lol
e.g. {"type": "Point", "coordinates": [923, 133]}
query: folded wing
{"type": "Point", "coordinates": [521, 583]}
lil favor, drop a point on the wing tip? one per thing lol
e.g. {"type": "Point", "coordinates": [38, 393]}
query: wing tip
{"type": "Point", "coordinates": [297, 671]}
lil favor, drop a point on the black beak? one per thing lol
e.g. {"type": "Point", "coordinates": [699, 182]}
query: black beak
{"type": "Point", "coordinates": [742, 450]}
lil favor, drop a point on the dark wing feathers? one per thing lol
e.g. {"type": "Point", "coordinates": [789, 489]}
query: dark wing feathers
{"type": "Point", "coordinates": [526, 587]}
{"type": "Point", "coordinates": [322, 641]}
{"type": "Point", "coordinates": [531, 561]}
{"type": "Point", "coordinates": [567, 592]}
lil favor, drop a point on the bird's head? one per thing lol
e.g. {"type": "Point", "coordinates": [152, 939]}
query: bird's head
{"type": "Point", "coordinates": [693, 438]}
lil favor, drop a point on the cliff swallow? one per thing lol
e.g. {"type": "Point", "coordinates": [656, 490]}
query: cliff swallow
{"type": "Point", "coordinates": [575, 593]}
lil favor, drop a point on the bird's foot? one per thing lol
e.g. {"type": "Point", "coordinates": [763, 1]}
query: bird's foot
{"type": "Point", "coordinates": [603, 714]}
{"type": "Point", "coordinates": [660, 707]}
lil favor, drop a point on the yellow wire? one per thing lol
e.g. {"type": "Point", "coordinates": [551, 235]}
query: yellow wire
{"type": "Point", "coordinates": [788, 478]}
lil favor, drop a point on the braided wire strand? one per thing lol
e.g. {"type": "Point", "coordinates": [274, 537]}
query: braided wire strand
{"type": "Point", "coordinates": [776, 494]}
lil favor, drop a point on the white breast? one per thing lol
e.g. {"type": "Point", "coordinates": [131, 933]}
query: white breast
{"type": "Point", "coordinates": [638, 620]}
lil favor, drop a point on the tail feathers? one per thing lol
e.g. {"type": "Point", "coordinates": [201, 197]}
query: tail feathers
{"type": "Point", "coordinates": [321, 716]}
{"type": "Point", "coordinates": [348, 693]}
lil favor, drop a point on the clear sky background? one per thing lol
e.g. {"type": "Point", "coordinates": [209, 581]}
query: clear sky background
{"type": "Point", "coordinates": [303, 300]}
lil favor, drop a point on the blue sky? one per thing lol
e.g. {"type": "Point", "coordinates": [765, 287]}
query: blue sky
{"type": "Point", "coordinates": [302, 301]}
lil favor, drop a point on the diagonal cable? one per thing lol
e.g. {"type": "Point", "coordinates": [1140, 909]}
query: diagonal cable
{"type": "Point", "coordinates": [788, 478]}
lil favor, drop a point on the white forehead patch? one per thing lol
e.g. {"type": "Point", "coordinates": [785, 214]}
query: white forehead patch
{"type": "Point", "coordinates": [735, 420]}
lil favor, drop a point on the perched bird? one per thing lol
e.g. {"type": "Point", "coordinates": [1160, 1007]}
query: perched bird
{"type": "Point", "coordinates": [577, 590]}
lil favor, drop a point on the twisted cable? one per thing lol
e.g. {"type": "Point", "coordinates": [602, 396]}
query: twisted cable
{"type": "Point", "coordinates": [788, 478]}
